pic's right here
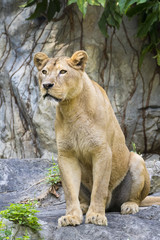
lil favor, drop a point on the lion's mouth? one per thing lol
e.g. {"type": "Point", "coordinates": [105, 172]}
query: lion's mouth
{"type": "Point", "coordinates": [50, 96]}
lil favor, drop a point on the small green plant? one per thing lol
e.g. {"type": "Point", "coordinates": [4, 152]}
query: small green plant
{"type": "Point", "coordinates": [6, 233]}
{"type": "Point", "coordinates": [134, 147]}
{"type": "Point", "coordinates": [53, 174]}
{"type": "Point", "coordinates": [23, 238]}
{"type": "Point", "coordinates": [23, 214]}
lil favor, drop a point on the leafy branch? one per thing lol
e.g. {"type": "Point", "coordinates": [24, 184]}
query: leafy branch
{"type": "Point", "coordinates": [7, 233]}
{"type": "Point", "coordinates": [45, 8]}
{"type": "Point", "coordinates": [53, 174]}
{"type": "Point", "coordinates": [23, 214]}
{"type": "Point", "coordinates": [147, 11]}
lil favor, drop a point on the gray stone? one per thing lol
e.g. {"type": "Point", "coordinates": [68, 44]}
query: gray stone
{"type": "Point", "coordinates": [141, 226]}
{"type": "Point", "coordinates": [153, 166]}
{"type": "Point", "coordinates": [23, 179]}
{"type": "Point", "coordinates": [144, 225]}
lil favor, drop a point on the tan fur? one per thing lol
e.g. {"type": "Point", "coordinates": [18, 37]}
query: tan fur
{"type": "Point", "coordinates": [149, 201]}
{"type": "Point", "coordinates": [91, 146]}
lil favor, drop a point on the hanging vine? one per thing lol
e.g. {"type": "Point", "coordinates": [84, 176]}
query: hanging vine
{"type": "Point", "coordinates": [148, 13]}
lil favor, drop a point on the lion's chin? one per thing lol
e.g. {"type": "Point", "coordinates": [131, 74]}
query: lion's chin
{"type": "Point", "coordinates": [50, 97]}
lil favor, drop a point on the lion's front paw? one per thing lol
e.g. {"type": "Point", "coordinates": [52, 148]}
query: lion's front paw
{"type": "Point", "coordinates": [69, 220]}
{"type": "Point", "coordinates": [129, 208]}
{"type": "Point", "coordinates": [96, 218]}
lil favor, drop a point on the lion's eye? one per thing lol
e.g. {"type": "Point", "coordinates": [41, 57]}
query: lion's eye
{"type": "Point", "coordinates": [62, 71]}
{"type": "Point", "coordinates": [44, 72]}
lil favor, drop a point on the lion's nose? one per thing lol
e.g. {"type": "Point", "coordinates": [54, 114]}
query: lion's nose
{"type": "Point", "coordinates": [48, 85]}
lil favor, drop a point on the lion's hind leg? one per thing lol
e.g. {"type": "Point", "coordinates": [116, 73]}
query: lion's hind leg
{"type": "Point", "coordinates": [84, 198]}
{"type": "Point", "coordinates": [140, 185]}
{"type": "Point", "coordinates": [84, 207]}
{"type": "Point", "coordinates": [129, 207]}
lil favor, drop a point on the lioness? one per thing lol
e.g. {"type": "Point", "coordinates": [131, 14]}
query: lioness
{"type": "Point", "coordinates": [98, 171]}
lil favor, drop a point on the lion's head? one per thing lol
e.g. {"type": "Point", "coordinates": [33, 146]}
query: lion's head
{"type": "Point", "coordinates": [60, 78]}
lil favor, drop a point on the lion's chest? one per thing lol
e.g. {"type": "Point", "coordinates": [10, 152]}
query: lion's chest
{"type": "Point", "coordinates": [81, 138]}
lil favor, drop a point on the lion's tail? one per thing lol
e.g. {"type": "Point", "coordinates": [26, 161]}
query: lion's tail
{"type": "Point", "coordinates": [149, 201]}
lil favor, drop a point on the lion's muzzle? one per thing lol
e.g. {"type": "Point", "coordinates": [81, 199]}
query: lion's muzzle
{"type": "Point", "coordinates": [47, 95]}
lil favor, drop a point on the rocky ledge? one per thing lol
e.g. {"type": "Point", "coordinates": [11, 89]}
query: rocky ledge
{"type": "Point", "coordinates": [24, 179]}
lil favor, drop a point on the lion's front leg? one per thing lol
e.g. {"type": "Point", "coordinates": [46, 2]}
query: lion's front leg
{"type": "Point", "coordinates": [102, 163]}
{"type": "Point", "coordinates": [71, 178]}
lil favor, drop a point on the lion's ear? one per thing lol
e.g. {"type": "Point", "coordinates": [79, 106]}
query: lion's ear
{"type": "Point", "coordinates": [78, 60]}
{"type": "Point", "coordinates": [40, 60]}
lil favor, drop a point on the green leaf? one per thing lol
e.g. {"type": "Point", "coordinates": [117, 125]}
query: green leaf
{"type": "Point", "coordinates": [8, 232]}
{"type": "Point", "coordinates": [71, 1]}
{"type": "Point", "coordinates": [92, 2]}
{"type": "Point", "coordinates": [134, 147]}
{"type": "Point", "coordinates": [141, 1]}
{"type": "Point", "coordinates": [116, 18]}
{"type": "Point", "coordinates": [23, 214]}
{"type": "Point", "coordinates": [146, 26]}
{"type": "Point", "coordinates": [28, 3]}
{"type": "Point", "coordinates": [144, 51]}
{"type": "Point", "coordinates": [159, 11]}
{"type": "Point", "coordinates": [102, 2]}
{"type": "Point", "coordinates": [41, 7]}
{"type": "Point", "coordinates": [53, 7]}
{"type": "Point", "coordinates": [138, 9]}
{"type": "Point", "coordinates": [154, 33]}
{"type": "Point", "coordinates": [129, 3]}
{"type": "Point", "coordinates": [158, 57]}
{"type": "Point", "coordinates": [82, 5]}
{"type": "Point", "coordinates": [102, 25]}
{"type": "Point", "coordinates": [110, 16]}
{"type": "Point", "coordinates": [122, 4]}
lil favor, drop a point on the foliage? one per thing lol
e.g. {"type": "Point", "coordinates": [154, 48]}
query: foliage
{"type": "Point", "coordinates": [23, 238]}
{"type": "Point", "coordinates": [148, 13]}
{"type": "Point", "coordinates": [82, 4]}
{"type": "Point", "coordinates": [134, 147]}
{"type": "Point", "coordinates": [148, 27]}
{"type": "Point", "coordinates": [53, 175]}
{"type": "Point", "coordinates": [23, 214]}
{"type": "Point", "coordinates": [43, 8]}
{"type": "Point", "coordinates": [6, 233]}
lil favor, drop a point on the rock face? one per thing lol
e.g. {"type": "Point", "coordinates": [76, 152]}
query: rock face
{"type": "Point", "coordinates": [21, 179]}
{"type": "Point", "coordinates": [141, 226]}
{"type": "Point", "coordinates": [27, 122]}
{"type": "Point", "coordinates": [153, 166]}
